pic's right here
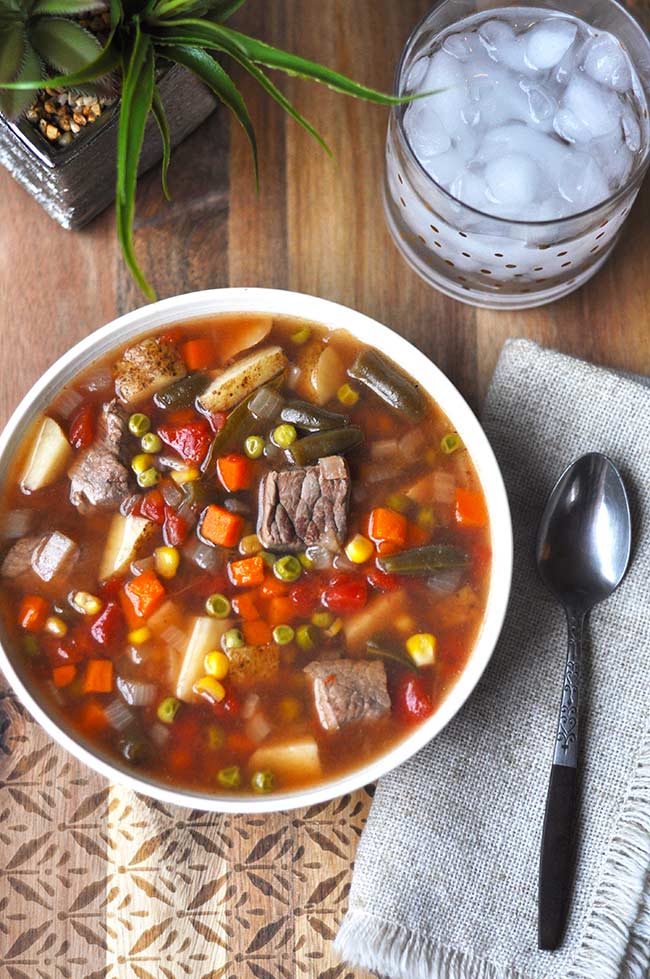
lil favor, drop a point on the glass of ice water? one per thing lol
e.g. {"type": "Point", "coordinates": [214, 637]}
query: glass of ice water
{"type": "Point", "coordinates": [508, 187]}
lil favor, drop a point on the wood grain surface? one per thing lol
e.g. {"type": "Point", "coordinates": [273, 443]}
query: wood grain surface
{"type": "Point", "coordinates": [95, 881]}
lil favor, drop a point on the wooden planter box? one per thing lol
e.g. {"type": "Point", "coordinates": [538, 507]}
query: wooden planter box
{"type": "Point", "coordinates": [73, 184]}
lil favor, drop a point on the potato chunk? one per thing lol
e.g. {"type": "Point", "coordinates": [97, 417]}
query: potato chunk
{"type": "Point", "coordinates": [125, 536]}
{"type": "Point", "coordinates": [295, 759]}
{"type": "Point", "coordinates": [48, 459]}
{"type": "Point", "coordinates": [253, 663]}
{"type": "Point", "coordinates": [378, 615]}
{"type": "Point", "coordinates": [249, 333]}
{"type": "Point", "coordinates": [205, 636]}
{"type": "Point", "coordinates": [327, 375]}
{"type": "Point", "coordinates": [236, 382]}
{"type": "Point", "coordinates": [146, 368]}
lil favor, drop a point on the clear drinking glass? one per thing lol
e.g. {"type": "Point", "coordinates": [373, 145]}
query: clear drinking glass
{"type": "Point", "coordinates": [496, 262]}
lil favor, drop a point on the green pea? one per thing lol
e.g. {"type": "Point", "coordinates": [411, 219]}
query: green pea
{"type": "Point", "coordinates": [229, 777]}
{"type": "Point", "coordinates": [215, 737]}
{"type": "Point", "coordinates": [139, 424]}
{"type": "Point", "coordinates": [168, 709]}
{"type": "Point", "coordinates": [263, 782]}
{"type": "Point", "coordinates": [283, 634]}
{"type": "Point", "coordinates": [322, 619]}
{"type": "Point", "coordinates": [287, 568]}
{"type": "Point", "coordinates": [284, 435]}
{"type": "Point", "coordinates": [218, 606]}
{"type": "Point", "coordinates": [150, 477]}
{"type": "Point", "coordinates": [305, 638]}
{"type": "Point", "coordinates": [232, 639]}
{"type": "Point", "coordinates": [302, 335]}
{"type": "Point", "coordinates": [151, 442]}
{"type": "Point", "coordinates": [451, 443]}
{"type": "Point", "coordinates": [254, 446]}
{"type": "Point", "coordinates": [306, 562]}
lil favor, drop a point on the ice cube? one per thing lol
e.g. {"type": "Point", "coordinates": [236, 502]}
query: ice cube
{"type": "Point", "coordinates": [614, 157]}
{"type": "Point", "coordinates": [458, 46]}
{"type": "Point", "coordinates": [469, 188]}
{"type": "Point", "coordinates": [631, 129]}
{"type": "Point", "coordinates": [549, 153]}
{"type": "Point", "coordinates": [548, 41]}
{"type": "Point", "coordinates": [607, 63]}
{"type": "Point", "coordinates": [417, 75]}
{"type": "Point", "coordinates": [446, 77]}
{"type": "Point", "coordinates": [582, 183]}
{"type": "Point", "coordinates": [595, 107]}
{"type": "Point", "coordinates": [513, 179]}
{"type": "Point", "coordinates": [503, 45]}
{"type": "Point", "coordinates": [425, 131]}
{"type": "Point", "coordinates": [446, 167]}
{"type": "Point", "coordinates": [541, 105]}
{"type": "Point", "coordinates": [569, 127]}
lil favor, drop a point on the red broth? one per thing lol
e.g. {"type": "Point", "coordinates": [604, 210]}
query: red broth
{"type": "Point", "coordinates": [173, 628]}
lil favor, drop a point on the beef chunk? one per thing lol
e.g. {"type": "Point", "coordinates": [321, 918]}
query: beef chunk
{"type": "Point", "coordinates": [348, 690]}
{"type": "Point", "coordinates": [18, 559]}
{"type": "Point", "coordinates": [302, 507]}
{"type": "Point", "coordinates": [98, 475]}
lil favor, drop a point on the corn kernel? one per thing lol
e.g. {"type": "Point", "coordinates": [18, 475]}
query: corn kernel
{"type": "Point", "coordinates": [335, 628]}
{"type": "Point", "coordinates": [210, 687]}
{"type": "Point", "coordinates": [141, 463]}
{"type": "Point", "coordinates": [421, 647]}
{"type": "Point", "coordinates": [166, 561]}
{"type": "Point", "coordinates": [289, 709]}
{"type": "Point", "coordinates": [56, 626]}
{"type": "Point", "coordinates": [187, 475]}
{"type": "Point", "coordinates": [86, 603]}
{"type": "Point", "coordinates": [347, 395]}
{"type": "Point", "coordinates": [139, 636]}
{"type": "Point", "coordinates": [359, 549]}
{"type": "Point", "coordinates": [216, 664]}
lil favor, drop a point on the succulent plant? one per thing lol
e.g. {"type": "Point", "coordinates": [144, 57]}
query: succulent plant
{"type": "Point", "coordinates": [145, 36]}
{"type": "Point", "coordinates": [38, 36]}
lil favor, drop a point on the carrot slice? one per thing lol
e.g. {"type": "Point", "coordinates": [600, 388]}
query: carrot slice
{"type": "Point", "coordinates": [199, 354]}
{"type": "Point", "coordinates": [244, 606]}
{"type": "Point", "coordinates": [470, 509]}
{"type": "Point", "coordinates": [93, 717]}
{"type": "Point", "coordinates": [388, 525]}
{"type": "Point", "coordinates": [280, 610]}
{"type": "Point", "coordinates": [145, 593]}
{"type": "Point", "coordinates": [220, 526]}
{"type": "Point", "coordinates": [33, 613]}
{"type": "Point", "coordinates": [257, 633]}
{"type": "Point", "coordinates": [99, 676]}
{"type": "Point", "coordinates": [62, 676]}
{"type": "Point", "coordinates": [247, 573]}
{"type": "Point", "coordinates": [235, 472]}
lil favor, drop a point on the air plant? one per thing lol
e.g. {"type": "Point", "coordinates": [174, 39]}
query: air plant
{"type": "Point", "coordinates": [145, 37]}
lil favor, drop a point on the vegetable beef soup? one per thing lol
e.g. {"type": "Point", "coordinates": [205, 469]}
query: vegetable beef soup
{"type": "Point", "coordinates": [243, 554]}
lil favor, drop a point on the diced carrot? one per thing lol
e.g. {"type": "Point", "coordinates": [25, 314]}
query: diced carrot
{"type": "Point", "coordinates": [257, 633]}
{"type": "Point", "coordinates": [416, 536]}
{"type": "Point", "coordinates": [179, 759]}
{"type": "Point", "coordinates": [247, 573]}
{"type": "Point", "coordinates": [33, 613]}
{"type": "Point", "coordinates": [62, 676]}
{"type": "Point", "coordinates": [235, 472]}
{"type": "Point", "coordinates": [280, 610]}
{"type": "Point", "coordinates": [198, 354]}
{"type": "Point", "coordinates": [244, 606]}
{"type": "Point", "coordinates": [220, 526]}
{"type": "Point", "coordinates": [92, 717]}
{"type": "Point", "coordinates": [387, 525]}
{"type": "Point", "coordinates": [385, 547]}
{"type": "Point", "coordinates": [240, 743]}
{"type": "Point", "coordinates": [99, 676]}
{"type": "Point", "coordinates": [273, 586]}
{"type": "Point", "coordinates": [133, 619]}
{"type": "Point", "coordinates": [145, 593]}
{"type": "Point", "coordinates": [470, 509]}
{"type": "Point", "coordinates": [172, 335]}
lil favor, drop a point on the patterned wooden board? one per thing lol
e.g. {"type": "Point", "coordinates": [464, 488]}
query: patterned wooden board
{"type": "Point", "coordinates": [101, 883]}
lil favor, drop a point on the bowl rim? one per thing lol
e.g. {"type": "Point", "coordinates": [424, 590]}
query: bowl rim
{"type": "Point", "coordinates": [190, 306]}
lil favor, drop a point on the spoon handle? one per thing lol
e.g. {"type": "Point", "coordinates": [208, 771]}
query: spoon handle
{"type": "Point", "coordinates": [556, 858]}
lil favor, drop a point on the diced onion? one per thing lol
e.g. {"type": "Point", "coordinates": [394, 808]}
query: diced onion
{"type": "Point", "coordinates": [320, 557]}
{"type": "Point", "coordinates": [100, 380]}
{"type": "Point", "coordinates": [383, 449]}
{"type": "Point", "coordinates": [203, 555]}
{"type": "Point", "coordinates": [159, 733]}
{"type": "Point", "coordinates": [128, 504]}
{"type": "Point", "coordinates": [172, 494]}
{"type": "Point", "coordinates": [257, 727]}
{"type": "Point", "coordinates": [250, 705]}
{"type": "Point", "coordinates": [174, 637]}
{"type": "Point", "coordinates": [343, 563]}
{"type": "Point", "coordinates": [16, 524]}
{"type": "Point", "coordinates": [136, 693]}
{"type": "Point", "coordinates": [187, 512]}
{"type": "Point", "coordinates": [118, 715]}
{"type": "Point", "coordinates": [333, 467]}
{"type": "Point", "coordinates": [141, 565]}
{"type": "Point", "coordinates": [445, 581]}
{"type": "Point", "coordinates": [169, 461]}
{"type": "Point", "coordinates": [411, 444]}
{"type": "Point", "coordinates": [443, 486]}
{"type": "Point", "coordinates": [265, 404]}
{"type": "Point", "coordinates": [67, 403]}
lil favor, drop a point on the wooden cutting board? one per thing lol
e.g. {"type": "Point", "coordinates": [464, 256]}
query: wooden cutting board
{"type": "Point", "coordinates": [96, 882]}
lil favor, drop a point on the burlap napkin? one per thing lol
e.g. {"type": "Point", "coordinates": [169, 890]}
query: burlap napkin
{"type": "Point", "coordinates": [445, 883]}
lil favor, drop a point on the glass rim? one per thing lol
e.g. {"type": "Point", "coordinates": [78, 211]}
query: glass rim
{"type": "Point", "coordinates": [638, 171]}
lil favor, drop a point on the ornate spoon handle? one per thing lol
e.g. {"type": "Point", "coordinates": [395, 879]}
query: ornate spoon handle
{"type": "Point", "coordinates": [556, 858]}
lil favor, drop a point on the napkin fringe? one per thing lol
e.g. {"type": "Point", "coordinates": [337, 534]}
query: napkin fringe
{"type": "Point", "coordinates": [396, 951]}
{"type": "Point", "coordinates": [618, 928]}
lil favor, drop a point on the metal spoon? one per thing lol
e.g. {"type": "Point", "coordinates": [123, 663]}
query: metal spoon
{"type": "Point", "coordinates": [583, 550]}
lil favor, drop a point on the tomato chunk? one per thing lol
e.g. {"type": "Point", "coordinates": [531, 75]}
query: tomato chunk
{"type": "Point", "coordinates": [151, 506]}
{"type": "Point", "coordinates": [109, 626]}
{"type": "Point", "coordinates": [411, 701]}
{"type": "Point", "coordinates": [191, 440]}
{"type": "Point", "coordinates": [345, 593]}
{"type": "Point", "coordinates": [82, 428]}
{"type": "Point", "coordinates": [382, 581]}
{"type": "Point", "coordinates": [306, 597]}
{"type": "Point", "coordinates": [175, 528]}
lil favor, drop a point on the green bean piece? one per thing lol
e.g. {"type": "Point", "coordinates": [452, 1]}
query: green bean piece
{"type": "Point", "coordinates": [229, 777]}
{"type": "Point", "coordinates": [382, 648]}
{"type": "Point", "coordinates": [215, 737]}
{"type": "Point", "coordinates": [388, 383]}
{"type": "Point", "coordinates": [423, 560]}
{"type": "Point", "coordinates": [232, 639]}
{"type": "Point", "coordinates": [263, 782]}
{"type": "Point", "coordinates": [182, 393]}
{"type": "Point", "coordinates": [283, 634]}
{"type": "Point", "coordinates": [240, 423]}
{"type": "Point", "coordinates": [451, 443]}
{"type": "Point", "coordinates": [168, 709]}
{"type": "Point", "coordinates": [317, 446]}
{"type": "Point", "coordinates": [218, 606]}
{"type": "Point", "coordinates": [139, 424]}
{"type": "Point", "coordinates": [287, 568]}
{"type": "Point", "coordinates": [311, 417]}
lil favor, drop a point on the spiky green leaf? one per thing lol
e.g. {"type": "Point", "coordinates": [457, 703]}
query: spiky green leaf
{"type": "Point", "coordinates": [136, 103]}
{"type": "Point", "coordinates": [13, 46]}
{"type": "Point", "coordinates": [223, 9]}
{"type": "Point", "coordinates": [74, 7]}
{"type": "Point", "coordinates": [64, 44]}
{"type": "Point", "coordinates": [108, 60]}
{"type": "Point", "coordinates": [13, 103]}
{"type": "Point", "coordinates": [160, 116]}
{"type": "Point", "coordinates": [217, 79]}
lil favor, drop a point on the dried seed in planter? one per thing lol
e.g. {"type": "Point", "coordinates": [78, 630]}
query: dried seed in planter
{"type": "Point", "coordinates": [64, 123]}
{"type": "Point", "coordinates": [75, 128]}
{"type": "Point", "coordinates": [49, 107]}
{"type": "Point", "coordinates": [32, 115]}
{"type": "Point", "coordinates": [79, 118]}
{"type": "Point", "coordinates": [52, 132]}
{"type": "Point", "coordinates": [64, 140]}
